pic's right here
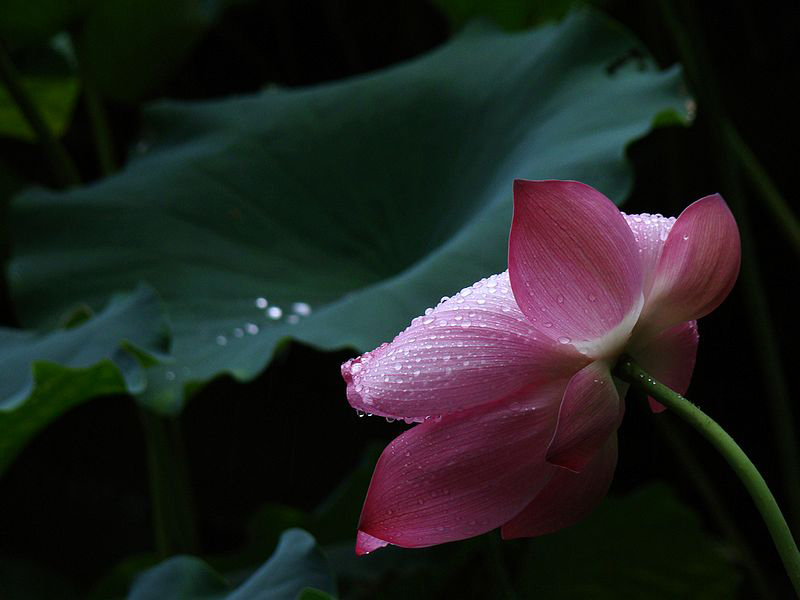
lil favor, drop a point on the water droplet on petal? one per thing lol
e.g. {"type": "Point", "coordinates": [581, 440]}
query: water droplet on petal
{"type": "Point", "coordinates": [560, 299]}
{"type": "Point", "coordinates": [564, 340]}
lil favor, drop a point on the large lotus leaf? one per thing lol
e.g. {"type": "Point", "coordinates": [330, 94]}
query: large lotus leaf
{"type": "Point", "coordinates": [509, 14]}
{"type": "Point", "coordinates": [336, 213]}
{"type": "Point", "coordinates": [45, 374]}
{"type": "Point", "coordinates": [296, 564]}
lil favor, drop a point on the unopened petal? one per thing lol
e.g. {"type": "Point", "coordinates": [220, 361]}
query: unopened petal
{"type": "Point", "coordinates": [697, 267]}
{"type": "Point", "coordinates": [463, 476]}
{"type": "Point", "coordinates": [573, 263]}
{"type": "Point", "coordinates": [567, 498]}
{"type": "Point", "coordinates": [670, 358]}
{"type": "Point", "coordinates": [472, 349]}
{"type": "Point", "coordinates": [590, 413]}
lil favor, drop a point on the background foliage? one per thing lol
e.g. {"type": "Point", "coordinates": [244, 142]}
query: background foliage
{"type": "Point", "coordinates": [348, 164]}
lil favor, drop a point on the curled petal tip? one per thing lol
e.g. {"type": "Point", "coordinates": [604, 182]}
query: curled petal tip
{"type": "Point", "coordinates": [365, 543]}
{"type": "Point", "coordinates": [697, 267]}
{"type": "Point", "coordinates": [347, 370]}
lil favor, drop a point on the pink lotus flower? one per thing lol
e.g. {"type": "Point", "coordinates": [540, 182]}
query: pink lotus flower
{"type": "Point", "coordinates": [510, 378]}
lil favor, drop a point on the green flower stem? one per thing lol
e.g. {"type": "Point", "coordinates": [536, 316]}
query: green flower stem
{"type": "Point", "coordinates": [689, 43]}
{"type": "Point", "coordinates": [170, 493]}
{"type": "Point", "coordinates": [768, 356]}
{"type": "Point", "coordinates": [63, 168]}
{"type": "Point", "coordinates": [746, 471]}
{"type": "Point", "coordinates": [680, 449]}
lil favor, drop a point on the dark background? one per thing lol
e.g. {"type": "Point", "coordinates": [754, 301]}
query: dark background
{"type": "Point", "coordinates": [76, 500]}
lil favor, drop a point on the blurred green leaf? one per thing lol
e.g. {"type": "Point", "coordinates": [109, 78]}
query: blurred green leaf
{"type": "Point", "coordinates": [129, 47]}
{"type": "Point", "coordinates": [336, 519]}
{"type": "Point", "coordinates": [132, 46]}
{"type": "Point", "coordinates": [184, 577]}
{"type": "Point", "coordinates": [646, 545]}
{"type": "Point", "coordinates": [25, 23]}
{"type": "Point", "coordinates": [296, 564]}
{"type": "Point", "coordinates": [116, 583]}
{"type": "Point", "coordinates": [348, 207]}
{"type": "Point", "coordinates": [54, 96]}
{"type": "Point", "coordinates": [46, 374]}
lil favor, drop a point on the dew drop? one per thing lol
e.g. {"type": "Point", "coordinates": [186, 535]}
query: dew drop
{"type": "Point", "coordinates": [686, 237]}
{"type": "Point", "coordinates": [592, 297]}
{"type": "Point", "coordinates": [564, 340]}
{"type": "Point", "coordinates": [261, 303]}
{"type": "Point", "coordinates": [301, 308]}
{"type": "Point", "coordinates": [560, 299]}
{"type": "Point", "coordinates": [274, 312]}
